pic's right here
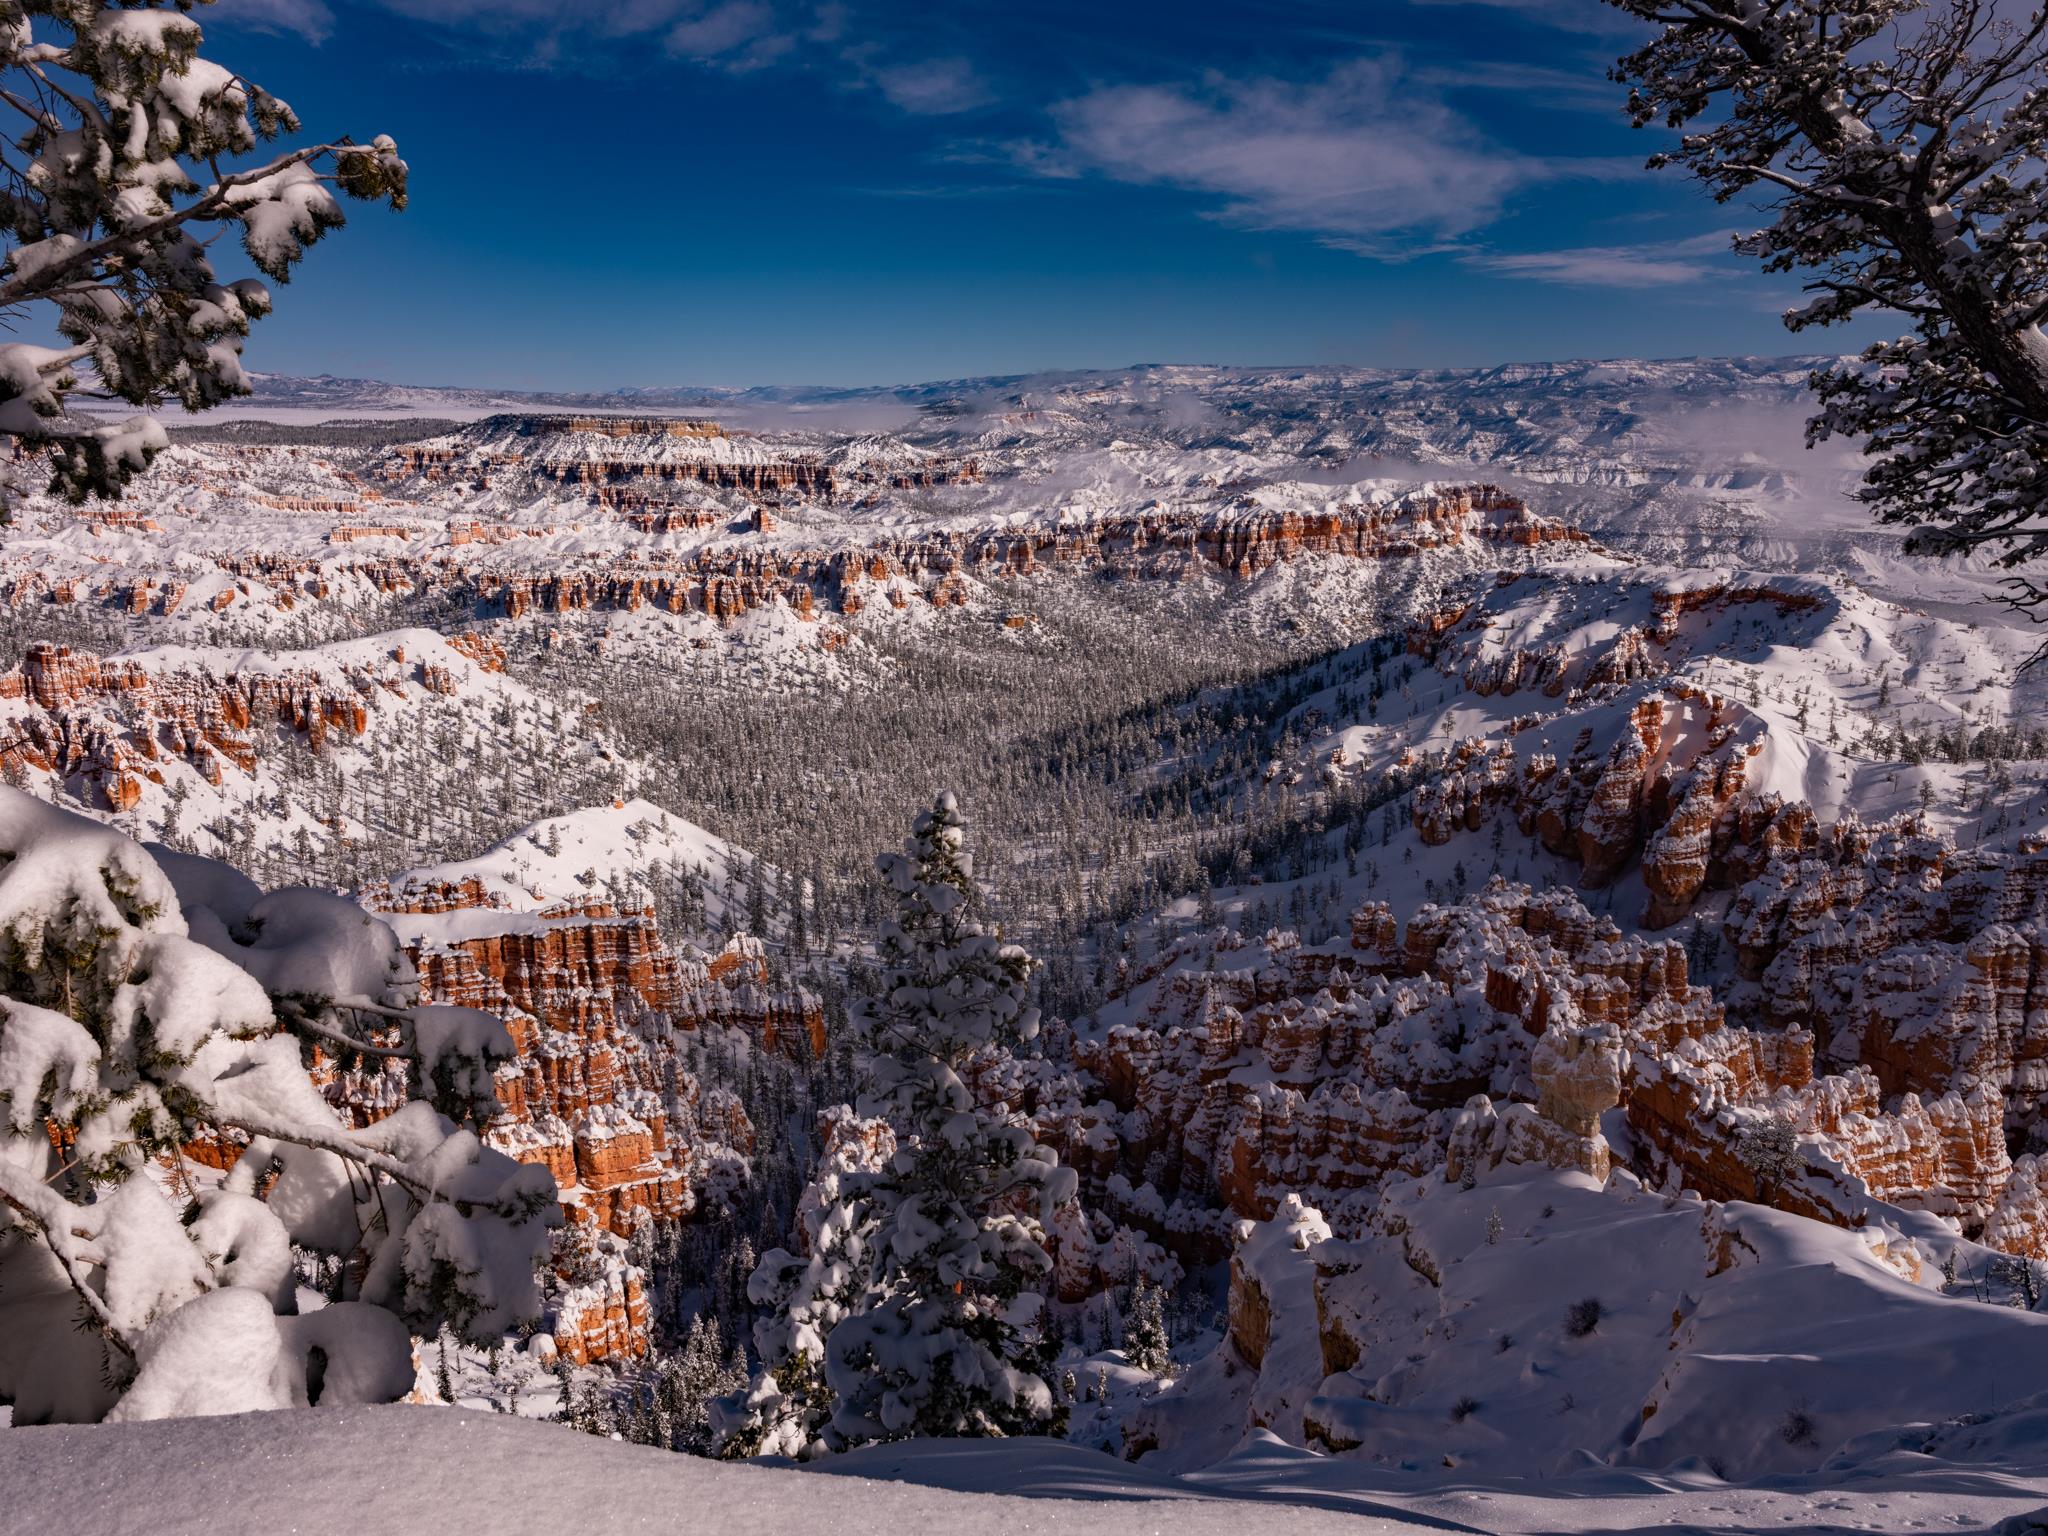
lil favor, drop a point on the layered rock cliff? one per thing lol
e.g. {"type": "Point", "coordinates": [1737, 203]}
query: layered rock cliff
{"type": "Point", "coordinates": [1660, 772]}
{"type": "Point", "coordinates": [467, 561]}
{"type": "Point", "coordinates": [600, 1011]}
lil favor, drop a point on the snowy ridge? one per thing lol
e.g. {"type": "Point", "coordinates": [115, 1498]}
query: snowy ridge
{"type": "Point", "coordinates": [563, 862]}
{"type": "Point", "coordinates": [1540, 1322]}
{"type": "Point", "coordinates": [183, 740]}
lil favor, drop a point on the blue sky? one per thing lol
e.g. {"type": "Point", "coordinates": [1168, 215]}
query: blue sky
{"type": "Point", "coordinates": [649, 192]}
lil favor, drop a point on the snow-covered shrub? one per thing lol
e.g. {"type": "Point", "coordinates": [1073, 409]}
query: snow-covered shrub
{"type": "Point", "coordinates": [149, 1007]}
{"type": "Point", "coordinates": [914, 1309]}
{"type": "Point", "coordinates": [1796, 1428]}
{"type": "Point", "coordinates": [1768, 1146]}
{"type": "Point", "coordinates": [1582, 1317]}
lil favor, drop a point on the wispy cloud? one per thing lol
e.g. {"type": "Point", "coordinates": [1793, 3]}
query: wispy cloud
{"type": "Point", "coordinates": [929, 87]}
{"type": "Point", "coordinates": [1375, 155]}
{"type": "Point", "coordinates": [1534, 85]}
{"type": "Point", "coordinates": [310, 19]}
{"type": "Point", "coordinates": [743, 34]}
{"type": "Point", "coordinates": [602, 18]}
{"type": "Point", "coordinates": [725, 34]}
{"type": "Point", "coordinates": [1367, 158]}
{"type": "Point", "coordinates": [735, 36]}
{"type": "Point", "coordinates": [1659, 265]}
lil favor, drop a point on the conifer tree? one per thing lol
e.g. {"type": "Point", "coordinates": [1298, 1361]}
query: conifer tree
{"type": "Point", "coordinates": [914, 1311]}
{"type": "Point", "coordinates": [1146, 1342]}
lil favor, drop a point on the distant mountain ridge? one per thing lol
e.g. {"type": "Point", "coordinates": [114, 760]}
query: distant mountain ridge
{"type": "Point", "coordinates": [362, 395]}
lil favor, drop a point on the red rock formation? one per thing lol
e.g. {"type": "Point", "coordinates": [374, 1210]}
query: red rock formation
{"type": "Point", "coordinates": [104, 520]}
{"type": "Point", "coordinates": [1512, 1025]}
{"type": "Point", "coordinates": [1693, 1108]}
{"type": "Point", "coordinates": [1927, 966]}
{"type": "Point", "coordinates": [596, 1004]}
{"type": "Point", "coordinates": [1670, 792]}
{"type": "Point", "coordinates": [604, 1319]}
{"type": "Point", "coordinates": [1251, 1070]}
{"type": "Point", "coordinates": [633, 426]}
{"type": "Point", "coordinates": [667, 519]}
{"type": "Point", "coordinates": [728, 579]}
{"type": "Point", "coordinates": [1787, 595]}
{"type": "Point", "coordinates": [105, 722]}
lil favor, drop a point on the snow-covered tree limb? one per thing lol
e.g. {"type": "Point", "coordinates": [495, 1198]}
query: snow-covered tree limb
{"type": "Point", "coordinates": [140, 1016]}
{"type": "Point", "coordinates": [111, 193]}
{"type": "Point", "coordinates": [1902, 144]}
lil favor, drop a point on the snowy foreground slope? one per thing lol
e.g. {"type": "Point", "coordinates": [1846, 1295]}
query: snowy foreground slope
{"type": "Point", "coordinates": [1542, 1323]}
{"type": "Point", "coordinates": [349, 1471]}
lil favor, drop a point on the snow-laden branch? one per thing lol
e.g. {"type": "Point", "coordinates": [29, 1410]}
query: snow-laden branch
{"type": "Point", "coordinates": [55, 1221]}
{"type": "Point", "coordinates": [1905, 148]}
{"type": "Point", "coordinates": [121, 195]}
{"type": "Point", "coordinates": [126, 1035]}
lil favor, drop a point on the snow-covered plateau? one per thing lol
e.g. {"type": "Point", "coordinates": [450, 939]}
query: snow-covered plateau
{"type": "Point", "coordinates": [1535, 1014]}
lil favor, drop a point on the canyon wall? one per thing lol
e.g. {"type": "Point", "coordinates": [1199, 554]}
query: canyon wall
{"type": "Point", "coordinates": [726, 579]}
{"type": "Point", "coordinates": [600, 1092]}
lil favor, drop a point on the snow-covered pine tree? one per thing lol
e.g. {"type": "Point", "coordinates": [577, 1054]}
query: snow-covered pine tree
{"type": "Point", "coordinates": [1147, 1344]}
{"type": "Point", "coordinates": [786, 1409]}
{"type": "Point", "coordinates": [688, 1381]}
{"type": "Point", "coordinates": [1905, 146]}
{"type": "Point", "coordinates": [116, 191]}
{"type": "Point", "coordinates": [944, 1341]}
{"type": "Point", "coordinates": [148, 1004]}
{"type": "Point", "coordinates": [914, 1310]}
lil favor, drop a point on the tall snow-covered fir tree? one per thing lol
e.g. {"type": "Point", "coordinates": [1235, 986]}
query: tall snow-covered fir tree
{"type": "Point", "coordinates": [1904, 146]}
{"type": "Point", "coordinates": [915, 1309]}
{"type": "Point", "coordinates": [1147, 1343]}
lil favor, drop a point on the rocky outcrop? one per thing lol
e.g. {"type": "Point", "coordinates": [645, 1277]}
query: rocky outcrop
{"type": "Point", "coordinates": [598, 1007]}
{"type": "Point", "coordinates": [1670, 795]}
{"type": "Point", "coordinates": [1701, 1109]}
{"type": "Point", "coordinates": [753, 478]}
{"type": "Point", "coordinates": [1517, 1026]}
{"type": "Point", "coordinates": [1788, 595]}
{"type": "Point", "coordinates": [1672, 789]}
{"type": "Point", "coordinates": [625, 426]}
{"type": "Point", "coordinates": [1237, 1073]}
{"type": "Point", "coordinates": [605, 1318]}
{"type": "Point", "coordinates": [107, 725]}
{"type": "Point", "coordinates": [598, 1091]}
{"type": "Point", "coordinates": [1272, 1277]}
{"type": "Point", "coordinates": [1924, 964]}
{"type": "Point", "coordinates": [2019, 1222]}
